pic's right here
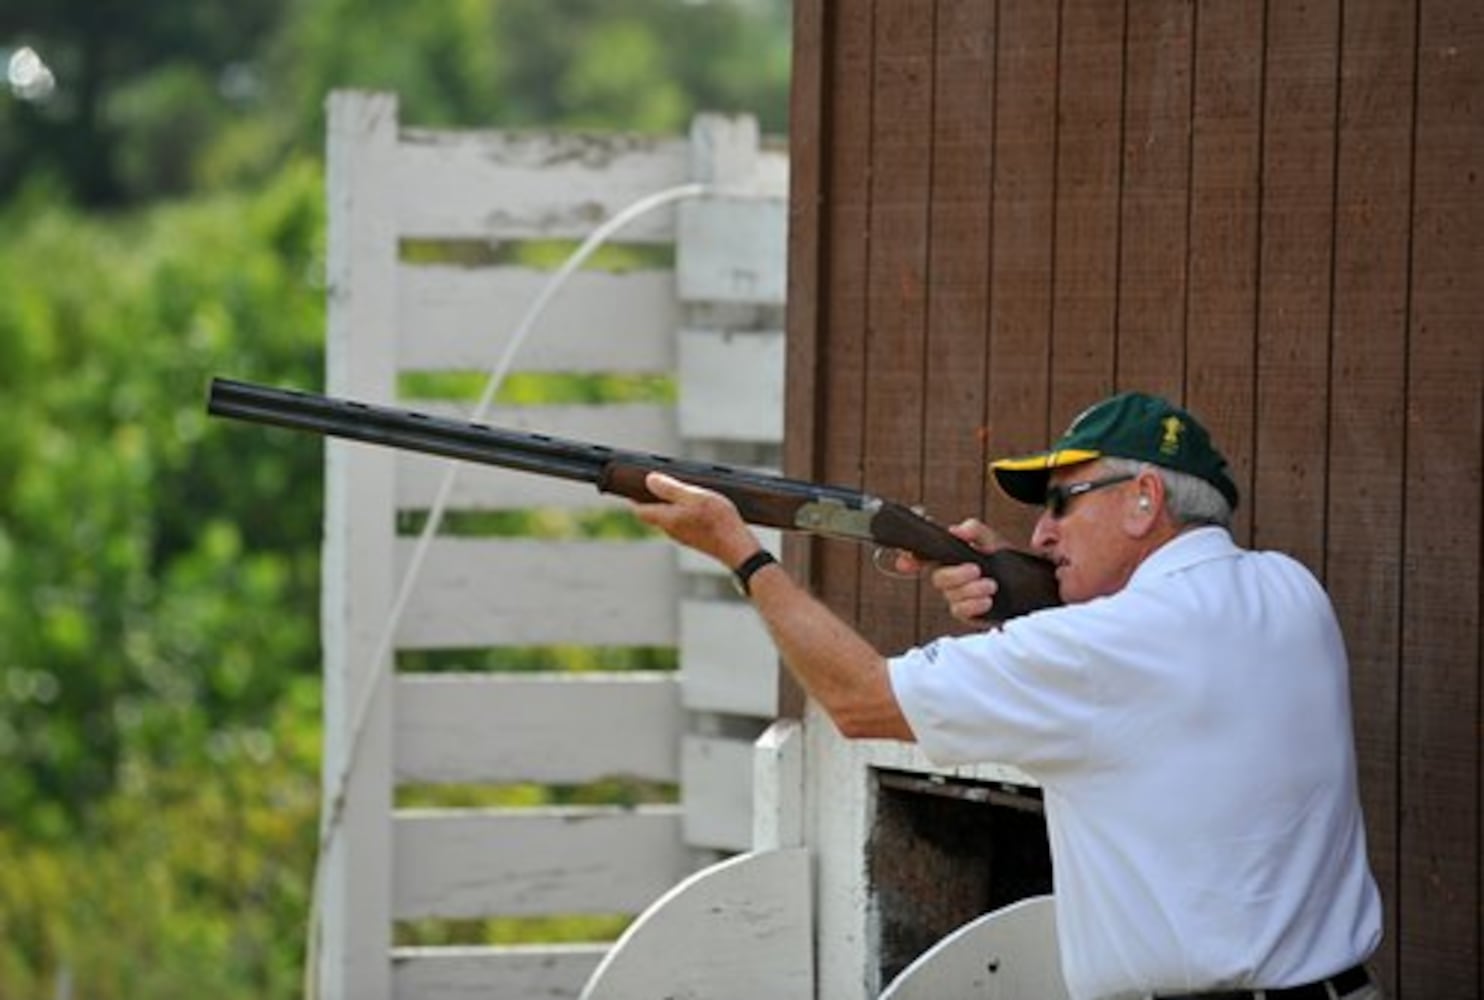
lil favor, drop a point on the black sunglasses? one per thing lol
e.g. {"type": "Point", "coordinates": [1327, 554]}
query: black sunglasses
{"type": "Point", "coordinates": [1059, 498]}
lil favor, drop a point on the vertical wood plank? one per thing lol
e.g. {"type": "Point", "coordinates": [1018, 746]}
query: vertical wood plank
{"type": "Point", "coordinates": [779, 801]}
{"type": "Point", "coordinates": [803, 364]}
{"type": "Point", "coordinates": [1156, 187]}
{"type": "Point", "coordinates": [843, 394]}
{"type": "Point", "coordinates": [1368, 365]}
{"type": "Point", "coordinates": [896, 289]}
{"type": "Point", "coordinates": [1226, 144]}
{"type": "Point", "coordinates": [1088, 173]}
{"type": "Point", "coordinates": [956, 336]}
{"type": "Point", "coordinates": [1294, 295]}
{"type": "Point", "coordinates": [1439, 923]}
{"type": "Point", "coordinates": [1021, 245]}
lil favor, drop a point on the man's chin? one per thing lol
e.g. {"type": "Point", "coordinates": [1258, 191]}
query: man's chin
{"type": "Point", "coordinates": [1071, 589]}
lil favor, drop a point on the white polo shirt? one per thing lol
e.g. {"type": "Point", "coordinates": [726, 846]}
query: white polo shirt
{"type": "Point", "coordinates": [1192, 736]}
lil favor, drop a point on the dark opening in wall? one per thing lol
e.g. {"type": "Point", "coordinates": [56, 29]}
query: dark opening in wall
{"type": "Point", "coordinates": [944, 851]}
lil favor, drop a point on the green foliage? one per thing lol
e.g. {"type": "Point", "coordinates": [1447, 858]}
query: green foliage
{"type": "Point", "coordinates": [579, 928]}
{"type": "Point", "coordinates": [155, 573]}
{"type": "Point", "coordinates": [192, 880]}
{"type": "Point", "coordinates": [438, 59]}
{"type": "Point", "coordinates": [542, 62]}
{"type": "Point", "coordinates": [166, 115]}
{"type": "Point", "coordinates": [643, 64]}
{"type": "Point", "coordinates": [158, 582]}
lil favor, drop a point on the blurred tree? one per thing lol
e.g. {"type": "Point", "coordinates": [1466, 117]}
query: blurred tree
{"type": "Point", "coordinates": [439, 59]}
{"type": "Point", "coordinates": [103, 54]}
{"type": "Point", "coordinates": [158, 578]}
{"type": "Point", "coordinates": [174, 96]}
{"type": "Point", "coordinates": [191, 882]}
{"type": "Point", "coordinates": [643, 64]}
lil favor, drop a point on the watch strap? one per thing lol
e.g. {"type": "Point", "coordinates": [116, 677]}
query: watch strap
{"type": "Point", "coordinates": [744, 571]}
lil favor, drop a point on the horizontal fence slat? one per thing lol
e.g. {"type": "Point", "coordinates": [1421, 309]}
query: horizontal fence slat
{"type": "Point", "coordinates": [731, 385]}
{"type": "Point", "coordinates": [464, 864]}
{"type": "Point", "coordinates": [523, 592]}
{"type": "Point", "coordinates": [729, 663]}
{"type": "Point", "coordinates": [551, 971]}
{"type": "Point", "coordinates": [454, 318]}
{"type": "Point", "coordinates": [716, 792]}
{"type": "Point", "coordinates": [532, 184]}
{"type": "Point", "coordinates": [641, 427]}
{"type": "Point", "coordinates": [548, 728]}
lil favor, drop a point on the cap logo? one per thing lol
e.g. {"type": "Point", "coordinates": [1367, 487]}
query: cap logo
{"type": "Point", "coordinates": [1174, 427]}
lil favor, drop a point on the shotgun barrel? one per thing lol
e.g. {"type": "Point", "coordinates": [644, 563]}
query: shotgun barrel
{"type": "Point", "coordinates": [1026, 582]}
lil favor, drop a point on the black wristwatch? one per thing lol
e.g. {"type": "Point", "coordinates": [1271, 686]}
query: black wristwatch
{"type": "Point", "coordinates": [742, 573]}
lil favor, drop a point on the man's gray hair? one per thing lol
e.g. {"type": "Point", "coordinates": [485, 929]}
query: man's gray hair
{"type": "Point", "coordinates": [1190, 499]}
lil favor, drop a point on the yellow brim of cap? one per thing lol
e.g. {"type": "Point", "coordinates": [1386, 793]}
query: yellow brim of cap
{"type": "Point", "coordinates": [1025, 478]}
{"type": "Point", "coordinates": [1046, 460]}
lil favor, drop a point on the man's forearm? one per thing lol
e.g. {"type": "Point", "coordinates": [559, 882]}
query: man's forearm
{"type": "Point", "coordinates": [830, 660]}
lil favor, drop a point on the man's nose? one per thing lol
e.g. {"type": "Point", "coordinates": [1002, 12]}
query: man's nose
{"type": "Point", "coordinates": [1043, 536]}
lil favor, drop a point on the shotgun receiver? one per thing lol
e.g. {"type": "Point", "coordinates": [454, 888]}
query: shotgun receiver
{"type": "Point", "coordinates": [1026, 582]}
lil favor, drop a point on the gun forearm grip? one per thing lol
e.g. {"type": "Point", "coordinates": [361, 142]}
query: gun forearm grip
{"type": "Point", "coordinates": [626, 480]}
{"type": "Point", "coordinates": [757, 504]}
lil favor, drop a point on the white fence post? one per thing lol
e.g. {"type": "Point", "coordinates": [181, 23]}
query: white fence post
{"type": "Point", "coordinates": [357, 590]}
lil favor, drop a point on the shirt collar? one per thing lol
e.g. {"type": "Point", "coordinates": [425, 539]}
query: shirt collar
{"type": "Point", "coordinates": [1186, 549]}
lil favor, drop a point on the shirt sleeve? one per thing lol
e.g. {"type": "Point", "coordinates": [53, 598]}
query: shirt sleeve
{"type": "Point", "coordinates": [1024, 695]}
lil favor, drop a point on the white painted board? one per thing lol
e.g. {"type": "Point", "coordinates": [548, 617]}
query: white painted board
{"type": "Point", "coordinates": [452, 318]}
{"type": "Point", "coordinates": [716, 792]}
{"type": "Point", "coordinates": [472, 184]}
{"type": "Point", "coordinates": [728, 662]}
{"type": "Point", "coordinates": [592, 859]}
{"type": "Point", "coordinates": [563, 729]}
{"type": "Point", "coordinates": [731, 385]}
{"type": "Point", "coordinates": [548, 971]}
{"type": "Point", "coordinates": [522, 592]}
{"type": "Point", "coordinates": [733, 249]}
{"type": "Point", "coordinates": [738, 930]}
{"type": "Point", "coordinates": [1010, 954]}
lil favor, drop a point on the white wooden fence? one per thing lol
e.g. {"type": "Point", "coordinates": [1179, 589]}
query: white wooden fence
{"type": "Point", "coordinates": [712, 322]}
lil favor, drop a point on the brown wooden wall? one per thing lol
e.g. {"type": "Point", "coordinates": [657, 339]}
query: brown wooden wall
{"type": "Point", "coordinates": [1271, 212]}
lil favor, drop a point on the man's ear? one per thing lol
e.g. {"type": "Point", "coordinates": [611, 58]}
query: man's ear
{"type": "Point", "coordinates": [1147, 507]}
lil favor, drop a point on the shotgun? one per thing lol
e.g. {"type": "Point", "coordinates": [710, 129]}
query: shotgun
{"type": "Point", "coordinates": [1026, 581]}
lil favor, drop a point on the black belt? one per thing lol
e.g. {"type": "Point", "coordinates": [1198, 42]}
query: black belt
{"type": "Point", "coordinates": [1344, 983]}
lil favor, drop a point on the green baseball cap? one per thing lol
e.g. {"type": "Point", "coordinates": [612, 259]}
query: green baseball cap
{"type": "Point", "coordinates": [1132, 425]}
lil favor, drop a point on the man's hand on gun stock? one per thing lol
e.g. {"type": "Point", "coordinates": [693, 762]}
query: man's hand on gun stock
{"type": "Point", "coordinates": [967, 591]}
{"type": "Point", "coordinates": [698, 518]}
{"type": "Point", "coordinates": [708, 522]}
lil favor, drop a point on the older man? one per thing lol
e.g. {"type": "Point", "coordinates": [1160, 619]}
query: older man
{"type": "Point", "coordinates": [1186, 713]}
